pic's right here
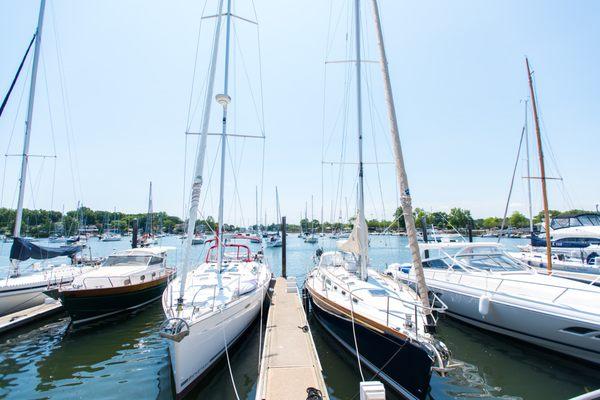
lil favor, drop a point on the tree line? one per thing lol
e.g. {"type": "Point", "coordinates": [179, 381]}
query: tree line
{"type": "Point", "coordinates": [43, 223]}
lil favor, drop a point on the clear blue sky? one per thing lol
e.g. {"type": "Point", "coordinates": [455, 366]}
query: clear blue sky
{"type": "Point", "coordinates": [457, 70]}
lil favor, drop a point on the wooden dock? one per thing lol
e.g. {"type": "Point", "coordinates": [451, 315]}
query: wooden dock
{"type": "Point", "coordinates": [24, 317]}
{"type": "Point", "coordinates": [290, 364]}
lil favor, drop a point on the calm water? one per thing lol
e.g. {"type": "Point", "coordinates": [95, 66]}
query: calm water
{"type": "Point", "coordinates": [124, 357]}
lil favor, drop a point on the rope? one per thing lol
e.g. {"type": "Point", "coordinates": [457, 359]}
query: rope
{"type": "Point", "coordinates": [229, 365]}
{"type": "Point", "coordinates": [354, 335]}
{"type": "Point", "coordinates": [260, 322]}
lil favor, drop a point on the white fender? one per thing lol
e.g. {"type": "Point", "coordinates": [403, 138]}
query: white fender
{"type": "Point", "coordinates": [484, 304]}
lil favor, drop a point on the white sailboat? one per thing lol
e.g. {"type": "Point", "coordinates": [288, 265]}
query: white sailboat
{"type": "Point", "coordinates": [208, 307]}
{"type": "Point", "coordinates": [384, 323]}
{"type": "Point", "coordinates": [20, 291]}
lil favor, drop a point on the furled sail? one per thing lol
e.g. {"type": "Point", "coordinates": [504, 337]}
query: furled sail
{"type": "Point", "coordinates": [23, 249]}
{"type": "Point", "coordinates": [358, 242]}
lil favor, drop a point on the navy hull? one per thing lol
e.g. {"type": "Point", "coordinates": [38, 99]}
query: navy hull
{"type": "Point", "coordinates": [88, 305]}
{"type": "Point", "coordinates": [404, 365]}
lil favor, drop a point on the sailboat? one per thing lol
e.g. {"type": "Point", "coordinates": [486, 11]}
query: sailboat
{"type": "Point", "coordinates": [148, 238]}
{"type": "Point", "coordinates": [311, 238]}
{"type": "Point", "coordinates": [18, 291]}
{"type": "Point", "coordinates": [110, 235]}
{"type": "Point", "coordinates": [386, 325]}
{"type": "Point", "coordinates": [210, 306]}
{"type": "Point", "coordinates": [275, 239]}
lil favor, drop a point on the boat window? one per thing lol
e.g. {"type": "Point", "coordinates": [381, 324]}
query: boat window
{"type": "Point", "coordinates": [574, 222]}
{"type": "Point", "coordinates": [155, 260]}
{"type": "Point", "coordinates": [558, 223]}
{"type": "Point", "coordinates": [435, 263]}
{"type": "Point", "coordinates": [589, 220]}
{"type": "Point", "coordinates": [377, 292]}
{"type": "Point", "coordinates": [491, 262]}
{"type": "Point", "coordinates": [125, 260]}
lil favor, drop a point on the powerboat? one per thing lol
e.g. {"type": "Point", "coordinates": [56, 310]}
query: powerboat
{"type": "Point", "coordinates": [274, 241]}
{"type": "Point", "coordinates": [484, 286]}
{"type": "Point", "coordinates": [20, 291]}
{"type": "Point", "coordinates": [574, 263]}
{"type": "Point", "coordinates": [125, 281]}
{"type": "Point", "coordinates": [312, 239]}
{"type": "Point", "coordinates": [111, 237]}
{"type": "Point", "coordinates": [198, 239]}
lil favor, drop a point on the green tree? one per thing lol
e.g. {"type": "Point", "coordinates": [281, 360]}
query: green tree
{"type": "Point", "coordinates": [518, 220]}
{"type": "Point", "coordinates": [491, 222]}
{"type": "Point", "coordinates": [459, 218]}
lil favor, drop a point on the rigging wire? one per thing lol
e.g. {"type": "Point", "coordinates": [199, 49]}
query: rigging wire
{"type": "Point", "coordinates": [66, 114]}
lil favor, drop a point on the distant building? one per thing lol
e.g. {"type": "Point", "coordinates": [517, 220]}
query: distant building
{"type": "Point", "coordinates": [88, 230]}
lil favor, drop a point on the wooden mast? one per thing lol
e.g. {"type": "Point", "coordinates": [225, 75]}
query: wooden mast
{"type": "Point", "coordinates": [542, 171]}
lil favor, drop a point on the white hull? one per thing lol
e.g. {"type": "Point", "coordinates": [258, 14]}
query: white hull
{"type": "Point", "coordinates": [545, 330]}
{"type": "Point", "coordinates": [516, 318]}
{"type": "Point", "coordinates": [205, 344]}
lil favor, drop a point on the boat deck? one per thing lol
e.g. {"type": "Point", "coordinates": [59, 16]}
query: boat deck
{"type": "Point", "coordinates": [290, 363]}
{"type": "Point", "coordinates": [20, 318]}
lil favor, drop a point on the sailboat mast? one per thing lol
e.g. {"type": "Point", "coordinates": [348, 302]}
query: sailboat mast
{"type": "Point", "coordinates": [256, 211]}
{"type": "Point", "coordinates": [405, 199]}
{"type": "Point", "coordinates": [199, 167]}
{"type": "Point", "coordinates": [528, 172]}
{"type": "Point", "coordinates": [150, 211]}
{"type": "Point", "coordinates": [28, 122]}
{"type": "Point", "coordinates": [542, 170]}
{"type": "Point", "coordinates": [361, 193]}
{"type": "Point", "coordinates": [224, 100]}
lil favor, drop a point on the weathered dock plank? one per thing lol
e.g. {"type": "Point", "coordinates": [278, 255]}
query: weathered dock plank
{"type": "Point", "coordinates": [289, 363]}
{"type": "Point", "coordinates": [17, 319]}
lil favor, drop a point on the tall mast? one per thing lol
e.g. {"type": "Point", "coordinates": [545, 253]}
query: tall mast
{"type": "Point", "coordinates": [223, 100]}
{"type": "Point", "coordinates": [528, 173]}
{"type": "Point", "coordinates": [199, 167]}
{"type": "Point", "coordinates": [150, 211]}
{"type": "Point", "coordinates": [28, 122]}
{"type": "Point", "coordinates": [363, 258]}
{"type": "Point", "coordinates": [542, 170]}
{"type": "Point", "coordinates": [405, 199]}
{"type": "Point", "coordinates": [277, 211]}
{"type": "Point", "coordinates": [256, 211]}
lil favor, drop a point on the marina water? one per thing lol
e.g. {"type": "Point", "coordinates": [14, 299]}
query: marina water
{"type": "Point", "coordinates": [124, 356]}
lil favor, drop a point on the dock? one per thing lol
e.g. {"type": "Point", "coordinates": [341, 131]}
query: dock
{"type": "Point", "coordinates": [289, 363]}
{"type": "Point", "coordinates": [20, 318]}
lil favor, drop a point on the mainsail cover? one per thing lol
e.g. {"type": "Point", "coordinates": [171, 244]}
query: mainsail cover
{"type": "Point", "coordinates": [23, 249]}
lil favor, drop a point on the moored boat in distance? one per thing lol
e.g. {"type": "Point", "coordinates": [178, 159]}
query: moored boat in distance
{"type": "Point", "coordinates": [125, 281]}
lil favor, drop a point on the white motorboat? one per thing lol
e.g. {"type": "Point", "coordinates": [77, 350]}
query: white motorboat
{"type": "Point", "coordinates": [274, 241]}
{"type": "Point", "coordinates": [571, 263]}
{"type": "Point", "coordinates": [111, 237]}
{"type": "Point", "coordinates": [484, 286]}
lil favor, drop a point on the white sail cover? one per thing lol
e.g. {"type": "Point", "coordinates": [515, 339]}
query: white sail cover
{"type": "Point", "coordinates": [358, 242]}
